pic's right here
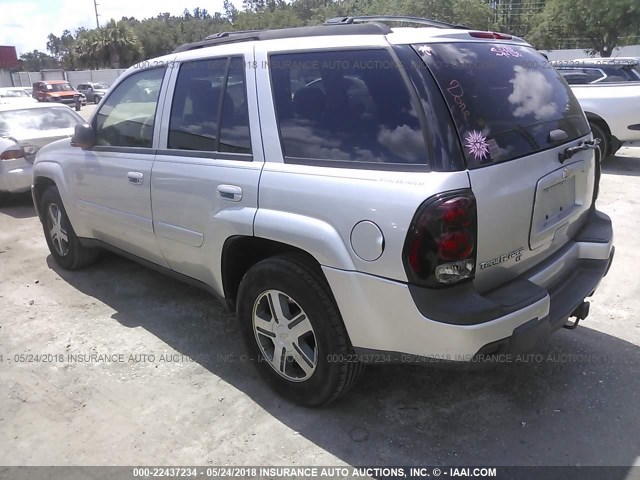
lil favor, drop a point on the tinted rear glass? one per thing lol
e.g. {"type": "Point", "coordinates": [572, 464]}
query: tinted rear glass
{"type": "Point", "coordinates": [348, 108]}
{"type": "Point", "coordinates": [505, 99]}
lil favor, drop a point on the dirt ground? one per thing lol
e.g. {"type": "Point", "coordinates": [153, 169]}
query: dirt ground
{"type": "Point", "coordinates": [141, 369]}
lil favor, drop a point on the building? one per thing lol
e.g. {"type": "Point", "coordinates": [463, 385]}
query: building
{"type": "Point", "coordinates": [8, 61]}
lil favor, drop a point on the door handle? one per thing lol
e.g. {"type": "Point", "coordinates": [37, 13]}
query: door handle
{"type": "Point", "coordinates": [230, 192]}
{"type": "Point", "coordinates": [135, 178]}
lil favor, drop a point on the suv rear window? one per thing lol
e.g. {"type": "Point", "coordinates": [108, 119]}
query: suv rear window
{"type": "Point", "coordinates": [346, 108]}
{"type": "Point", "coordinates": [505, 99]}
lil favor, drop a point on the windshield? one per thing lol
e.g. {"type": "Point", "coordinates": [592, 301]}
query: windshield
{"type": "Point", "coordinates": [505, 99]}
{"type": "Point", "coordinates": [13, 94]}
{"type": "Point", "coordinates": [18, 122]}
{"type": "Point", "coordinates": [59, 87]}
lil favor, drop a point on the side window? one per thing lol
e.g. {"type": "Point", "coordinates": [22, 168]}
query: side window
{"type": "Point", "coordinates": [127, 118]}
{"type": "Point", "coordinates": [209, 108]}
{"type": "Point", "coordinates": [593, 74]}
{"type": "Point", "coordinates": [234, 127]}
{"type": "Point", "coordinates": [345, 106]}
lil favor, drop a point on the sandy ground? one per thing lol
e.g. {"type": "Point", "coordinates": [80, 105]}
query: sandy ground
{"type": "Point", "coordinates": [177, 391]}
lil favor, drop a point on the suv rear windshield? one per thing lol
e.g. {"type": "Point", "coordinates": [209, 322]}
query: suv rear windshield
{"type": "Point", "coordinates": [505, 99]}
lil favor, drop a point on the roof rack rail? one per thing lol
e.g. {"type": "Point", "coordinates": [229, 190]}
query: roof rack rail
{"type": "Point", "coordinates": [221, 38]}
{"type": "Point", "coordinates": [392, 18]}
{"type": "Point", "coordinates": [228, 34]}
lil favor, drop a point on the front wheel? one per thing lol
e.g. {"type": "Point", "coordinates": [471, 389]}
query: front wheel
{"type": "Point", "coordinates": [294, 330]}
{"type": "Point", "coordinates": [63, 243]}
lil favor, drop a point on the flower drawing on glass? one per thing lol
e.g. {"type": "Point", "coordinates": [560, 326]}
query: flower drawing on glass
{"type": "Point", "coordinates": [477, 145]}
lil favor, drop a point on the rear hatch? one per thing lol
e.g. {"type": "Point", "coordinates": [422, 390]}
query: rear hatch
{"type": "Point", "coordinates": [514, 114]}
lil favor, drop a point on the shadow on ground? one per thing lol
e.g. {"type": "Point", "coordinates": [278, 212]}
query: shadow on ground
{"type": "Point", "coordinates": [622, 165]}
{"type": "Point", "coordinates": [578, 410]}
{"type": "Point", "coordinates": [17, 205]}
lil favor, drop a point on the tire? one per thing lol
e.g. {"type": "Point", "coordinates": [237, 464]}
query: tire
{"type": "Point", "coordinates": [605, 142]}
{"type": "Point", "coordinates": [69, 254]}
{"type": "Point", "coordinates": [306, 298]}
{"type": "Point", "coordinates": [96, 100]}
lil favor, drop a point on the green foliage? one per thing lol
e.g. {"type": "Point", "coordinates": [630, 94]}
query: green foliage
{"type": "Point", "coordinates": [36, 61]}
{"type": "Point", "coordinates": [591, 24]}
{"type": "Point", "coordinates": [122, 43]}
{"type": "Point", "coordinates": [112, 46]}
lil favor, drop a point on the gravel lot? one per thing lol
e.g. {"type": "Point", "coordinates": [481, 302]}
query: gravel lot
{"type": "Point", "coordinates": [182, 394]}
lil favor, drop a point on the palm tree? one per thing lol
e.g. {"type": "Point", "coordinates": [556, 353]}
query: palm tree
{"type": "Point", "coordinates": [112, 46]}
{"type": "Point", "coordinates": [121, 43]}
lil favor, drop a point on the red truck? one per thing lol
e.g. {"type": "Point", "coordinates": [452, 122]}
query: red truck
{"type": "Point", "coordinates": [59, 91]}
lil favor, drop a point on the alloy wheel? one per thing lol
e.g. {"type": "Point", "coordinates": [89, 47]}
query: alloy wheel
{"type": "Point", "coordinates": [57, 234]}
{"type": "Point", "coordinates": [285, 335]}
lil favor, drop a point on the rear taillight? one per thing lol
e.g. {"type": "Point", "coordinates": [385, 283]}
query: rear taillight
{"type": "Point", "coordinates": [12, 154]}
{"type": "Point", "coordinates": [491, 35]}
{"type": "Point", "coordinates": [440, 248]}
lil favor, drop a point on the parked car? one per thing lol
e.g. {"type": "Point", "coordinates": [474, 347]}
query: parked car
{"type": "Point", "coordinates": [14, 95]}
{"type": "Point", "coordinates": [609, 93]}
{"type": "Point", "coordinates": [93, 91]}
{"type": "Point", "coordinates": [24, 129]}
{"type": "Point", "coordinates": [59, 91]}
{"type": "Point", "coordinates": [586, 71]}
{"type": "Point", "coordinates": [361, 194]}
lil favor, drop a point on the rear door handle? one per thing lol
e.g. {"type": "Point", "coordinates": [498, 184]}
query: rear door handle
{"type": "Point", "coordinates": [230, 192]}
{"type": "Point", "coordinates": [135, 178]}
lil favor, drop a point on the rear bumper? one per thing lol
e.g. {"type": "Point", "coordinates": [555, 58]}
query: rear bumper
{"type": "Point", "coordinates": [391, 321]}
{"type": "Point", "coordinates": [16, 179]}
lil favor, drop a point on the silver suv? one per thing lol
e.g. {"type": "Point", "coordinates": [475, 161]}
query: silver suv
{"type": "Point", "coordinates": [355, 193]}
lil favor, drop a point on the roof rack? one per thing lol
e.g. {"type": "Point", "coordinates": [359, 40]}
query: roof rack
{"type": "Point", "coordinates": [228, 34]}
{"type": "Point", "coordinates": [371, 28]}
{"type": "Point", "coordinates": [392, 18]}
{"type": "Point", "coordinates": [359, 25]}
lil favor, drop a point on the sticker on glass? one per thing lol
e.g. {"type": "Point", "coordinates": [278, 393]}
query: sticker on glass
{"type": "Point", "coordinates": [477, 145]}
{"type": "Point", "coordinates": [505, 51]}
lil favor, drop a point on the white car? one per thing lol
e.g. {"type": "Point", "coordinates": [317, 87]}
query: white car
{"type": "Point", "coordinates": [608, 90]}
{"type": "Point", "coordinates": [24, 129]}
{"type": "Point", "coordinates": [13, 95]}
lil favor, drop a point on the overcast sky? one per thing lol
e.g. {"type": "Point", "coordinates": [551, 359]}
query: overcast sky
{"type": "Point", "coordinates": [27, 23]}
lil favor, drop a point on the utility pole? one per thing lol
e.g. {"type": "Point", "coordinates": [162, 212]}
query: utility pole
{"type": "Point", "coordinates": [95, 7]}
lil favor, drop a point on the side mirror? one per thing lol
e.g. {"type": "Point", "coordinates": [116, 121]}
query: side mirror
{"type": "Point", "coordinates": [84, 136]}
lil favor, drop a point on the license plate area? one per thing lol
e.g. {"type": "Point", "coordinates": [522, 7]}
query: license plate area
{"type": "Point", "coordinates": [558, 202]}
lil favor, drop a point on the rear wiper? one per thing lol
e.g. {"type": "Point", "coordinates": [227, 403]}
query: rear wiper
{"type": "Point", "coordinates": [571, 151]}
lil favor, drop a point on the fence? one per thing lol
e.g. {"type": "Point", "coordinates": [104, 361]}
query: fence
{"type": "Point", "coordinates": [26, 79]}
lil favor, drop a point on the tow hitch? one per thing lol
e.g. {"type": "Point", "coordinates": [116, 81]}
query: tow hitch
{"type": "Point", "coordinates": [581, 312]}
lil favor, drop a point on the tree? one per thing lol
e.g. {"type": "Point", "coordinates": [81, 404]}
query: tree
{"type": "Point", "coordinates": [592, 24]}
{"type": "Point", "coordinates": [120, 44]}
{"type": "Point", "coordinates": [61, 48]}
{"type": "Point", "coordinates": [474, 13]}
{"type": "Point", "coordinates": [112, 46]}
{"type": "Point", "coordinates": [36, 61]}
